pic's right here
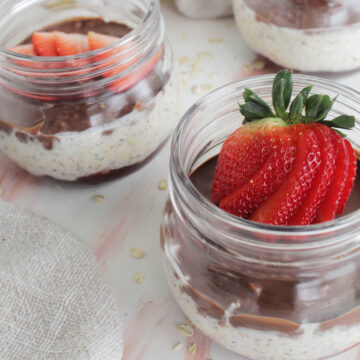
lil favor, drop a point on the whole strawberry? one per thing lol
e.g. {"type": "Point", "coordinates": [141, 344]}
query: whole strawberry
{"type": "Point", "coordinates": [286, 167]}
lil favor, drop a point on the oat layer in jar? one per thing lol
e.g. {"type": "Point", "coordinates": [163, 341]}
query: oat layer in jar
{"type": "Point", "coordinates": [204, 9]}
{"type": "Point", "coordinates": [265, 292]}
{"type": "Point", "coordinates": [307, 35]}
{"type": "Point", "coordinates": [90, 114]}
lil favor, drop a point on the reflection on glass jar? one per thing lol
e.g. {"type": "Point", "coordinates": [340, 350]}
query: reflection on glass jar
{"type": "Point", "coordinates": [318, 35]}
{"type": "Point", "coordinates": [265, 292]}
{"type": "Point", "coordinates": [78, 116]}
{"type": "Point", "coordinates": [200, 9]}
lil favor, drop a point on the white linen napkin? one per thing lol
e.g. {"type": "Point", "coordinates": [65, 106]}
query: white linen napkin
{"type": "Point", "coordinates": [54, 304]}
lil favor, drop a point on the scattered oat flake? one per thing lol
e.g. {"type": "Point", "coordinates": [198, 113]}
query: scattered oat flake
{"type": "Point", "coordinates": [205, 55]}
{"type": "Point", "coordinates": [186, 330]}
{"type": "Point", "coordinates": [258, 65]}
{"type": "Point", "coordinates": [163, 185]}
{"type": "Point", "coordinates": [216, 40]}
{"type": "Point", "coordinates": [139, 278]}
{"type": "Point", "coordinates": [256, 288]}
{"type": "Point", "coordinates": [178, 347]}
{"type": "Point", "coordinates": [192, 349]}
{"type": "Point", "coordinates": [99, 198]}
{"type": "Point", "coordinates": [206, 87]}
{"type": "Point", "coordinates": [184, 60]}
{"type": "Point", "coordinates": [139, 106]}
{"type": "Point", "coordinates": [201, 89]}
{"type": "Point", "coordinates": [185, 37]}
{"type": "Point", "coordinates": [58, 3]}
{"type": "Point", "coordinates": [137, 253]}
{"type": "Point", "coordinates": [60, 187]}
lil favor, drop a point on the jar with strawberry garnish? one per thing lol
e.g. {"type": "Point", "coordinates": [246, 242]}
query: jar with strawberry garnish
{"type": "Point", "coordinates": [261, 234]}
{"type": "Point", "coordinates": [305, 35]}
{"type": "Point", "coordinates": [86, 88]}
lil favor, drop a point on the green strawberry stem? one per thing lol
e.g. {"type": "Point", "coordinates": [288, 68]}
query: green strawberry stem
{"type": "Point", "coordinates": [303, 109]}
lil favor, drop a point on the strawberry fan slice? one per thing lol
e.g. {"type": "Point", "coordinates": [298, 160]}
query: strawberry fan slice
{"type": "Point", "coordinates": [287, 165]}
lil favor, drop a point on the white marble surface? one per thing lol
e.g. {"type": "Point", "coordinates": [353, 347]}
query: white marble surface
{"type": "Point", "coordinates": [131, 213]}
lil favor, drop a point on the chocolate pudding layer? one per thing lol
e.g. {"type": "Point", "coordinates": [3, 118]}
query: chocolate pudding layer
{"type": "Point", "coordinates": [306, 14]}
{"type": "Point", "coordinates": [96, 132]}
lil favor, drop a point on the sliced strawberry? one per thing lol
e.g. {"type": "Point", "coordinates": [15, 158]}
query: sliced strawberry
{"type": "Point", "coordinates": [44, 43]}
{"type": "Point", "coordinates": [98, 41]}
{"type": "Point", "coordinates": [70, 44]}
{"type": "Point", "coordinates": [286, 200]}
{"type": "Point", "coordinates": [241, 156]}
{"type": "Point", "coordinates": [331, 202]}
{"type": "Point", "coordinates": [27, 49]}
{"type": "Point", "coordinates": [310, 205]}
{"type": "Point", "coordinates": [269, 177]}
{"type": "Point", "coordinates": [350, 179]}
{"type": "Point", "coordinates": [128, 81]}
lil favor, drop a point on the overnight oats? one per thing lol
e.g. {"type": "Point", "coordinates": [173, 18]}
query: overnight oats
{"type": "Point", "coordinates": [261, 234]}
{"type": "Point", "coordinates": [307, 35]}
{"type": "Point", "coordinates": [86, 88]}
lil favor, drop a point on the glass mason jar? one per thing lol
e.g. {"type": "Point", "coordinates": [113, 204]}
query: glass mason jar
{"type": "Point", "coordinates": [76, 117]}
{"type": "Point", "coordinates": [204, 9]}
{"type": "Point", "coordinates": [307, 35]}
{"type": "Point", "coordinates": [265, 292]}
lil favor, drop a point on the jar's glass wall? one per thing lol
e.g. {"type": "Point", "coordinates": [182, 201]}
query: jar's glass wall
{"type": "Point", "coordinates": [297, 299]}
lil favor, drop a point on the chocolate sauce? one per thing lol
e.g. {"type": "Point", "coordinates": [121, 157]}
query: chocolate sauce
{"type": "Point", "coordinates": [224, 287]}
{"type": "Point", "coordinates": [306, 14]}
{"type": "Point", "coordinates": [84, 25]}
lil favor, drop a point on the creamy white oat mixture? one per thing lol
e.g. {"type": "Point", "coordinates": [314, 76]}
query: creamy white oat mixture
{"type": "Point", "coordinates": [204, 8]}
{"type": "Point", "coordinates": [130, 140]}
{"type": "Point", "coordinates": [333, 50]}
{"type": "Point", "coordinates": [260, 345]}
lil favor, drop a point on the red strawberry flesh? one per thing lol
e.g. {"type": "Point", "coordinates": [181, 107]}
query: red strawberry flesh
{"type": "Point", "coordinates": [327, 210]}
{"type": "Point", "coordinates": [44, 43]}
{"type": "Point", "coordinates": [350, 178]}
{"type": "Point", "coordinates": [71, 44]}
{"type": "Point", "coordinates": [270, 176]}
{"type": "Point", "coordinates": [27, 49]}
{"type": "Point", "coordinates": [241, 156]}
{"type": "Point", "coordinates": [310, 205]}
{"type": "Point", "coordinates": [287, 199]}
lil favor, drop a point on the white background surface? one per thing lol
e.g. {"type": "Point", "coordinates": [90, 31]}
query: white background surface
{"type": "Point", "coordinates": [131, 213]}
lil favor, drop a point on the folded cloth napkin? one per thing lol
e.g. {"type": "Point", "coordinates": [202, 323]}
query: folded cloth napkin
{"type": "Point", "coordinates": [54, 303]}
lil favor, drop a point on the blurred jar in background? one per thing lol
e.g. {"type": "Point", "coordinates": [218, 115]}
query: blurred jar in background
{"type": "Point", "coordinates": [202, 9]}
{"type": "Point", "coordinates": [306, 35]}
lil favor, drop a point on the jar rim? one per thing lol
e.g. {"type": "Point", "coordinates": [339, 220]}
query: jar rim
{"type": "Point", "coordinates": [153, 5]}
{"type": "Point", "coordinates": [309, 231]}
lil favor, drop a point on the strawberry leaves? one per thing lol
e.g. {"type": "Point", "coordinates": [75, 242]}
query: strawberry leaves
{"type": "Point", "coordinates": [282, 90]}
{"type": "Point", "coordinates": [303, 109]}
{"type": "Point", "coordinates": [254, 108]}
{"type": "Point", "coordinates": [297, 106]}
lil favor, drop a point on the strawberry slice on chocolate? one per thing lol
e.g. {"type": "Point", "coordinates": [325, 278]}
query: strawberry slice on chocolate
{"type": "Point", "coordinates": [44, 43]}
{"type": "Point", "coordinates": [70, 44]}
{"type": "Point", "coordinates": [26, 49]}
{"type": "Point", "coordinates": [98, 41]}
{"type": "Point", "coordinates": [287, 166]}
